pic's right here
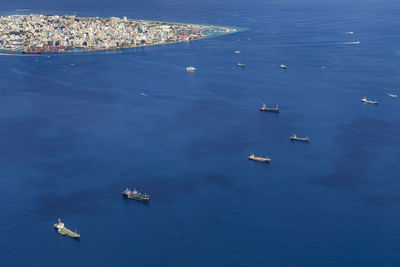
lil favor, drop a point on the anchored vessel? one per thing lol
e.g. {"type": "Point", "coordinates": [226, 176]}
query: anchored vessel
{"type": "Point", "coordinates": [265, 108]}
{"type": "Point", "coordinates": [135, 195]}
{"type": "Point", "coordinates": [190, 68]}
{"type": "Point", "coordinates": [61, 229]}
{"type": "Point", "coordinates": [296, 138]}
{"type": "Point", "coordinates": [364, 100]}
{"type": "Point", "coordinates": [241, 65]}
{"type": "Point", "coordinates": [261, 159]}
{"type": "Point", "coordinates": [283, 67]}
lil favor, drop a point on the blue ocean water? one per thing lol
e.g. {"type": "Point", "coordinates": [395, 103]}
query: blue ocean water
{"type": "Point", "coordinates": [72, 138]}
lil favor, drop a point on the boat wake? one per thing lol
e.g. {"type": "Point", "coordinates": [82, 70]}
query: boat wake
{"type": "Point", "coordinates": [350, 43]}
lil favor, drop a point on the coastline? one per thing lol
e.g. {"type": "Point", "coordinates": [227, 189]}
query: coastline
{"type": "Point", "coordinates": [205, 32]}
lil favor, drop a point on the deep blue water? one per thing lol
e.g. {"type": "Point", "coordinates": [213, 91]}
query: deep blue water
{"type": "Point", "coordinates": [72, 138]}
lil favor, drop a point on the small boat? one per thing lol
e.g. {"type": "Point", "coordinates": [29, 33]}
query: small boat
{"type": "Point", "coordinates": [296, 138]}
{"type": "Point", "coordinates": [283, 67]}
{"type": "Point", "coordinates": [261, 159]}
{"type": "Point", "coordinates": [364, 100]}
{"type": "Point", "coordinates": [392, 95]}
{"type": "Point", "coordinates": [265, 108]}
{"type": "Point", "coordinates": [349, 32]}
{"type": "Point", "coordinates": [72, 64]}
{"type": "Point", "coordinates": [241, 65]}
{"type": "Point", "coordinates": [237, 52]}
{"type": "Point", "coordinates": [191, 69]}
{"type": "Point", "coordinates": [323, 67]}
{"type": "Point", "coordinates": [142, 94]}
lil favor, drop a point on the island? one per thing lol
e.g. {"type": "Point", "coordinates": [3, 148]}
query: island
{"type": "Point", "coordinates": [35, 33]}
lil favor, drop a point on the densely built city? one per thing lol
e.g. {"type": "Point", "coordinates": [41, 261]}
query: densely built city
{"type": "Point", "coordinates": [54, 33]}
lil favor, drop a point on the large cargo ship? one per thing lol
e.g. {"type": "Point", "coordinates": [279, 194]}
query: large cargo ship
{"type": "Point", "coordinates": [261, 159]}
{"type": "Point", "coordinates": [294, 137]}
{"type": "Point", "coordinates": [62, 230]}
{"type": "Point", "coordinates": [136, 195]}
{"type": "Point", "coordinates": [270, 109]}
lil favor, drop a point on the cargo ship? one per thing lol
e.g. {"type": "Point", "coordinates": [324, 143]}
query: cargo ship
{"type": "Point", "coordinates": [296, 138]}
{"type": "Point", "coordinates": [62, 230]}
{"type": "Point", "coordinates": [364, 100]}
{"type": "Point", "coordinates": [261, 159]}
{"type": "Point", "coordinates": [135, 195]}
{"type": "Point", "coordinates": [265, 108]}
{"type": "Point", "coordinates": [46, 49]}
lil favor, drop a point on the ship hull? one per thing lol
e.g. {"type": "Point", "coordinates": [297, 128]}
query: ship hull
{"type": "Point", "coordinates": [270, 110]}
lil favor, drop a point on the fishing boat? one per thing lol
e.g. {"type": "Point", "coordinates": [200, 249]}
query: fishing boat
{"type": "Point", "coordinates": [364, 100]}
{"type": "Point", "coordinates": [269, 109]}
{"type": "Point", "coordinates": [296, 138]}
{"type": "Point", "coordinates": [261, 159]}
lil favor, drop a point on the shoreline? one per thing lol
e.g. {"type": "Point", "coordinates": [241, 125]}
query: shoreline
{"type": "Point", "coordinates": [200, 31]}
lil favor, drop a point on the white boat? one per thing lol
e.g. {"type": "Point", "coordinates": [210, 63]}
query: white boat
{"type": "Point", "coordinates": [349, 32]}
{"type": "Point", "coordinates": [392, 95]}
{"type": "Point", "coordinates": [191, 69]}
{"type": "Point", "coordinates": [142, 94]}
{"type": "Point", "coordinates": [237, 52]}
{"type": "Point", "coordinates": [283, 66]}
{"type": "Point", "coordinates": [261, 159]}
{"type": "Point", "coordinates": [296, 138]}
{"type": "Point", "coordinates": [241, 65]}
{"type": "Point", "coordinates": [364, 100]}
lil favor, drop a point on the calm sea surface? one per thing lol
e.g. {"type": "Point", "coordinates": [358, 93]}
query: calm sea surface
{"type": "Point", "coordinates": [72, 138]}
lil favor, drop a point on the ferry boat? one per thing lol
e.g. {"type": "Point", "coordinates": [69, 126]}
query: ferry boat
{"type": "Point", "coordinates": [392, 95]}
{"type": "Point", "coordinates": [364, 100]}
{"type": "Point", "coordinates": [261, 159]}
{"type": "Point", "coordinates": [296, 138]}
{"type": "Point", "coordinates": [241, 65]}
{"type": "Point", "coordinates": [135, 195]}
{"type": "Point", "coordinates": [265, 108]}
{"type": "Point", "coordinates": [62, 230]}
{"type": "Point", "coordinates": [191, 69]}
{"type": "Point", "coordinates": [283, 67]}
